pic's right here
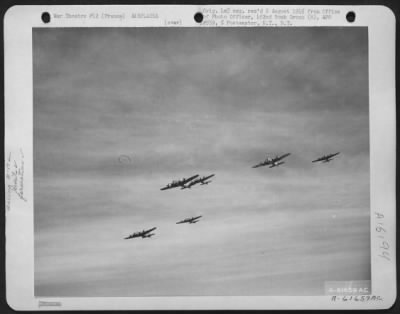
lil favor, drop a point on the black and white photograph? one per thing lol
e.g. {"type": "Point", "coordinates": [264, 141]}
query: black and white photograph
{"type": "Point", "coordinates": [198, 162]}
{"type": "Point", "coordinates": [200, 157]}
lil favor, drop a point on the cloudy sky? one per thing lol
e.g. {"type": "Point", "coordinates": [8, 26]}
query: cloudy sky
{"type": "Point", "coordinates": [186, 101]}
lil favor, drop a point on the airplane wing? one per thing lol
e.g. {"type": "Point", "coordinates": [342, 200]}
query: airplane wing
{"type": "Point", "coordinates": [189, 179]}
{"type": "Point", "coordinates": [333, 155]}
{"type": "Point", "coordinates": [195, 218]}
{"type": "Point", "coordinates": [131, 236]}
{"type": "Point", "coordinates": [172, 185]}
{"type": "Point", "coordinates": [148, 231]}
{"type": "Point", "coordinates": [166, 188]}
{"type": "Point", "coordinates": [194, 182]}
{"type": "Point", "coordinates": [190, 184]}
{"type": "Point", "coordinates": [318, 159]}
{"type": "Point", "coordinates": [261, 164]}
{"type": "Point", "coordinates": [182, 221]}
{"type": "Point", "coordinates": [206, 178]}
{"type": "Point", "coordinates": [281, 157]}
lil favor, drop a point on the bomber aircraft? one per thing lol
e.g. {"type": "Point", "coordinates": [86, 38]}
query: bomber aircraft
{"type": "Point", "coordinates": [142, 234]}
{"type": "Point", "coordinates": [192, 220]}
{"type": "Point", "coordinates": [178, 183]}
{"type": "Point", "coordinates": [202, 181]}
{"type": "Point", "coordinates": [326, 158]}
{"type": "Point", "coordinates": [272, 162]}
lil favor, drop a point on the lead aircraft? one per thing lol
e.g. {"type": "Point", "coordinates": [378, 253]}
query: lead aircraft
{"type": "Point", "coordinates": [178, 183]}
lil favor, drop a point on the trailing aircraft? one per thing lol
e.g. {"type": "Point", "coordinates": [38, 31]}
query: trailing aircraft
{"type": "Point", "coordinates": [178, 183]}
{"type": "Point", "coordinates": [272, 162]}
{"type": "Point", "coordinates": [202, 181]}
{"type": "Point", "coordinates": [192, 220]}
{"type": "Point", "coordinates": [142, 234]}
{"type": "Point", "coordinates": [326, 158]}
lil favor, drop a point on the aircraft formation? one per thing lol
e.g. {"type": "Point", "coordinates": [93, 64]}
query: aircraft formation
{"type": "Point", "coordinates": [187, 183]}
{"type": "Point", "coordinates": [184, 183]}
{"type": "Point", "coordinates": [147, 233]}
{"type": "Point", "coordinates": [276, 161]}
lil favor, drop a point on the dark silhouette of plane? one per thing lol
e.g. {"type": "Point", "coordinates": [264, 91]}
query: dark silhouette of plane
{"type": "Point", "coordinates": [142, 234]}
{"type": "Point", "coordinates": [192, 220]}
{"type": "Point", "coordinates": [178, 183]}
{"type": "Point", "coordinates": [326, 158]}
{"type": "Point", "coordinates": [202, 181]}
{"type": "Point", "coordinates": [272, 162]}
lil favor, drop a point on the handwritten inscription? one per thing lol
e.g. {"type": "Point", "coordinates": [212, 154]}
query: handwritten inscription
{"type": "Point", "coordinates": [381, 231]}
{"type": "Point", "coordinates": [15, 174]}
{"type": "Point", "coordinates": [356, 298]}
